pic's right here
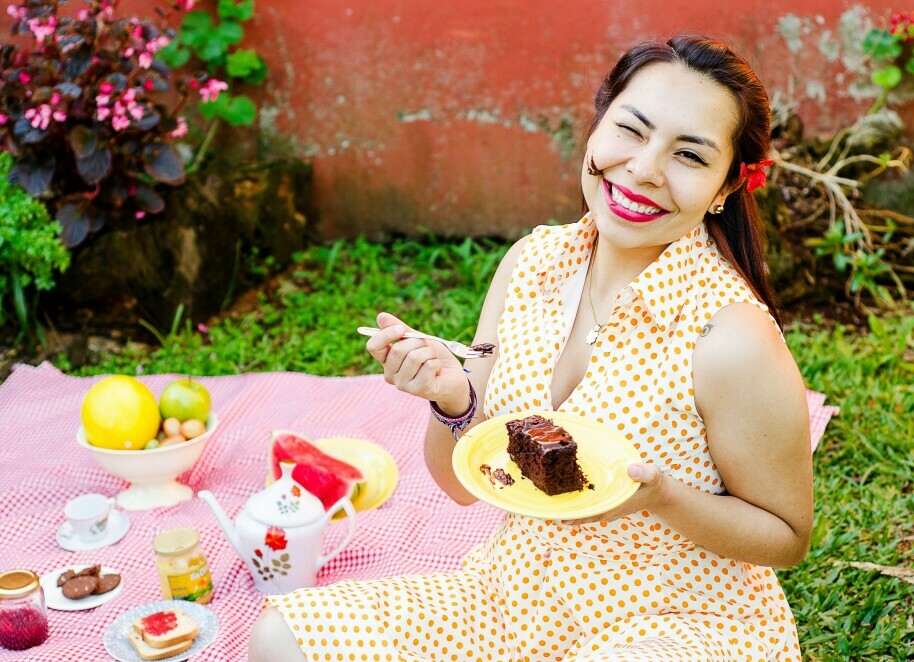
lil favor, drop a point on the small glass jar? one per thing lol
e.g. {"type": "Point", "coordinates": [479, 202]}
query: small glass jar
{"type": "Point", "coordinates": [23, 615]}
{"type": "Point", "coordinates": [183, 570]}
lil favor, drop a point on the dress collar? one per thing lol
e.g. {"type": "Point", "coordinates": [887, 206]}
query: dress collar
{"type": "Point", "coordinates": [663, 285]}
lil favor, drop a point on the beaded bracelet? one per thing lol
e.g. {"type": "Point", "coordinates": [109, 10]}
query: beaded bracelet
{"type": "Point", "coordinates": [460, 422]}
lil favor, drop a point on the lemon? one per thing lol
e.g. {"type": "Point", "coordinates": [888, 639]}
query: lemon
{"type": "Point", "coordinates": [120, 413]}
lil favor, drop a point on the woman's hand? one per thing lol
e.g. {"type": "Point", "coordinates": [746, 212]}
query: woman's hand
{"type": "Point", "coordinates": [650, 493]}
{"type": "Point", "coordinates": [424, 368]}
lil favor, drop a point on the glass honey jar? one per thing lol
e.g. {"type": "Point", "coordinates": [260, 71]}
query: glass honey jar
{"type": "Point", "coordinates": [183, 570]}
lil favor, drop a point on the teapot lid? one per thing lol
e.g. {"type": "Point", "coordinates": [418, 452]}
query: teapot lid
{"type": "Point", "coordinates": [285, 503]}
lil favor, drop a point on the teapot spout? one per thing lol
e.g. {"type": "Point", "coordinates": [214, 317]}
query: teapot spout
{"type": "Point", "coordinates": [227, 526]}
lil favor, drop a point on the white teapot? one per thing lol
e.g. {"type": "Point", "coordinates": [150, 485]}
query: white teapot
{"type": "Point", "coordinates": [279, 533]}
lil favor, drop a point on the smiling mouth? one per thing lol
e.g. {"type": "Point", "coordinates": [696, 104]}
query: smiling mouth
{"type": "Point", "coordinates": [638, 206]}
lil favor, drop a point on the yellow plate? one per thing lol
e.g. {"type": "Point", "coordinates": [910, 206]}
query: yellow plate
{"type": "Point", "coordinates": [375, 463]}
{"type": "Point", "coordinates": [603, 455]}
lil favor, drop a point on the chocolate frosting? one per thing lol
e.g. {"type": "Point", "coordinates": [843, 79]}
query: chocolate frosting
{"type": "Point", "coordinates": [543, 431]}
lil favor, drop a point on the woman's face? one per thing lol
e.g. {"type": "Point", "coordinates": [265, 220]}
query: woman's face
{"type": "Point", "coordinates": [664, 147]}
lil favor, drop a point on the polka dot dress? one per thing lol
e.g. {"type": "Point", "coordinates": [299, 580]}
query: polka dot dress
{"type": "Point", "coordinates": [630, 590]}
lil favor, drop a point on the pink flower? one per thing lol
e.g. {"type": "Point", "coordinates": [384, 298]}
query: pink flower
{"type": "Point", "coordinates": [106, 88]}
{"type": "Point", "coordinates": [145, 60]}
{"type": "Point", "coordinates": [210, 91]}
{"type": "Point", "coordinates": [18, 13]}
{"type": "Point", "coordinates": [102, 113]}
{"type": "Point", "coordinates": [137, 32]}
{"type": "Point", "coordinates": [82, 14]}
{"type": "Point", "coordinates": [185, 5]}
{"type": "Point", "coordinates": [158, 43]}
{"type": "Point", "coordinates": [24, 78]}
{"type": "Point", "coordinates": [140, 215]}
{"type": "Point", "coordinates": [202, 328]}
{"type": "Point", "coordinates": [55, 98]}
{"type": "Point", "coordinates": [39, 117]}
{"type": "Point", "coordinates": [128, 52]}
{"type": "Point", "coordinates": [130, 95]}
{"type": "Point", "coordinates": [119, 122]}
{"type": "Point", "coordinates": [136, 112]}
{"type": "Point", "coordinates": [59, 116]}
{"type": "Point", "coordinates": [4, 119]}
{"type": "Point", "coordinates": [102, 100]}
{"type": "Point", "coordinates": [40, 30]}
{"type": "Point", "coordinates": [180, 131]}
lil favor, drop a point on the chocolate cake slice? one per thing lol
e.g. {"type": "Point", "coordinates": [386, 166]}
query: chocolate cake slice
{"type": "Point", "coordinates": [546, 454]}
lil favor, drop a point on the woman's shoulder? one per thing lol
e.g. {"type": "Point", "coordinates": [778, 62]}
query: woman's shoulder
{"type": "Point", "coordinates": [739, 345]}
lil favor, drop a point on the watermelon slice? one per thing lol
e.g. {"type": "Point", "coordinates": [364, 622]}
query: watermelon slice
{"type": "Point", "coordinates": [323, 476]}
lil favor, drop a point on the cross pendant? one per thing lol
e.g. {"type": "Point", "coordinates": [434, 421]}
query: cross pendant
{"type": "Point", "coordinates": [594, 334]}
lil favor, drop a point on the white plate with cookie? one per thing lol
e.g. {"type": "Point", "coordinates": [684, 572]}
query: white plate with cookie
{"type": "Point", "coordinates": [54, 590]}
{"type": "Point", "coordinates": [119, 633]}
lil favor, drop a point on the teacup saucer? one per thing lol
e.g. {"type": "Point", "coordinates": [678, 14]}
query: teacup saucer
{"type": "Point", "coordinates": [118, 525]}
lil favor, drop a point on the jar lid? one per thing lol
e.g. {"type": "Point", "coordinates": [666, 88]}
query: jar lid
{"type": "Point", "coordinates": [175, 541]}
{"type": "Point", "coordinates": [17, 583]}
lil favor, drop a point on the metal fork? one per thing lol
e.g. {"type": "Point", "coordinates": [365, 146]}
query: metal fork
{"type": "Point", "coordinates": [454, 347]}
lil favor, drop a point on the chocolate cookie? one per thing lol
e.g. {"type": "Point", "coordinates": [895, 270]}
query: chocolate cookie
{"type": "Point", "coordinates": [91, 571]}
{"type": "Point", "coordinates": [79, 587]}
{"type": "Point", "coordinates": [107, 583]}
{"type": "Point", "coordinates": [69, 574]}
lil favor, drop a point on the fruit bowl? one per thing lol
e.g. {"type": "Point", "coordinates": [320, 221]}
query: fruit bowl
{"type": "Point", "coordinates": [151, 473]}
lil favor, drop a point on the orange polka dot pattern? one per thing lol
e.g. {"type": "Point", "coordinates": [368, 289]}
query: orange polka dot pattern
{"type": "Point", "coordinates": [631, 590]}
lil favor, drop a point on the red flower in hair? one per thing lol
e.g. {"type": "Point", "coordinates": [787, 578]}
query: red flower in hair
{"type": "Point", "coordinates": [755, 176]}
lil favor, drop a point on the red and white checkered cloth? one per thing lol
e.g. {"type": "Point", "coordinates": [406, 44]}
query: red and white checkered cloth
{"type": "Point", "coordinates": [418, 530]}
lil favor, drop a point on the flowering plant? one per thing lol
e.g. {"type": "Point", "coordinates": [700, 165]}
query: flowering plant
{"type": "Point", "coordinates": [213, 43]}
{"type": "Point", "coordinates": [90, 112]}
{"type": "Point", "coordinates": [892, 52]}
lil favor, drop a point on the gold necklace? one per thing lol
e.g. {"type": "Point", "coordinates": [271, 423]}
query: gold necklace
{"type": "Point", "coordinates": [598, 328]}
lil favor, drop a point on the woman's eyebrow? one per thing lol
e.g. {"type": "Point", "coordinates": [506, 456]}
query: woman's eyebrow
{"type": "Point", "coordinates": [698, 140]}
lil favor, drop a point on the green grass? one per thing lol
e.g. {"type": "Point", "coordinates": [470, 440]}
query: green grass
{"type": "Point", "coordinates": [864, 465]}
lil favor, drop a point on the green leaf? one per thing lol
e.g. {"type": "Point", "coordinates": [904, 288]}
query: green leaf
{"type": "Point", "coordinates": [258, 76]}
{"type": "Point", "coordinates": [888, 77]}
{"type": "Point", "coordinates": [242, 11]}
{"type": "Point", "coordinates": [243, 62]}
{"type": "Point", "coordinates": [880, 44]}
{"type": "Point", "coordinates": [212, 50]}
{"type": "Point", "coordinates": [909, 65]}
{"type": "Point", "coordinates": [230, 32]}
{"type": "Point", "coordinates": [197, 20]}
{"type": "Point", "coordinates": [174, 55]}
{"type": "Point", "coordinates": [213, 109]}
{"type": "Point", "coordinates": [241, 112]}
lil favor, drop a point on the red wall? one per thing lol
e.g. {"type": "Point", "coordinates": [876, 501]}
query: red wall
{"type": "Point", "coordinates": [460, 115]}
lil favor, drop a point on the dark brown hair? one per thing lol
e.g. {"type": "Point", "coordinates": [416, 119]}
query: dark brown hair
{"type": "Point", "coordinates": [738, 231]}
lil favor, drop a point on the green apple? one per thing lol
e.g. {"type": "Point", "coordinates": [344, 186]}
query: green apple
{"type": "Point", "coordinates": [185, 399]}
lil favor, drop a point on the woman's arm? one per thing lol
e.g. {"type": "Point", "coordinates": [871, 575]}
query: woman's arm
{"type": "Point", "coordinates": [439, 442]}
{"type": "Point", "coordinates": [751, 397]}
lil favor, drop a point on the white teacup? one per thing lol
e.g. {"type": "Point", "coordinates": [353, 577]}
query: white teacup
{"type": "Point", "coordinates": [88, 516]}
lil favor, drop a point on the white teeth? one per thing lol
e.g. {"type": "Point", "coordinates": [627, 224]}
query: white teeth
{"type": "Point", "coordinates": [628, 204]}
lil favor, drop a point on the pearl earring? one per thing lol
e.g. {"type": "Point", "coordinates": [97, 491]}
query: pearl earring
{"type": "Point", "coordinates": [717, 209]}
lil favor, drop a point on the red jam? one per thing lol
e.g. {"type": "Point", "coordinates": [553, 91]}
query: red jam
{"type": "Point", "coordinates": [159, 623]}
{"type": "Point", "coordinates": [22, 628]}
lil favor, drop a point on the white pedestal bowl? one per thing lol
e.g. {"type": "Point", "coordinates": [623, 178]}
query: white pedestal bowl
{"type": "Point", "coordinates": [153, 473]}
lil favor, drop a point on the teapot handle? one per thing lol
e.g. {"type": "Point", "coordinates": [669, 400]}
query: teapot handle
{"type": "Point", "coordinates": [346, 505]}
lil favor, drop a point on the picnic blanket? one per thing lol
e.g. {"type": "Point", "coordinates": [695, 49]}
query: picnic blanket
{"type": "Point", "coordinates": [418, 530]}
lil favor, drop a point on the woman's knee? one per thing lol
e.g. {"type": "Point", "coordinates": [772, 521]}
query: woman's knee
{"type": "Point", "coordinates": [271, 639]}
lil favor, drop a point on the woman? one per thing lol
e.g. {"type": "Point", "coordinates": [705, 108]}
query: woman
{"type": "Point", "coordinates": [653, 315]}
